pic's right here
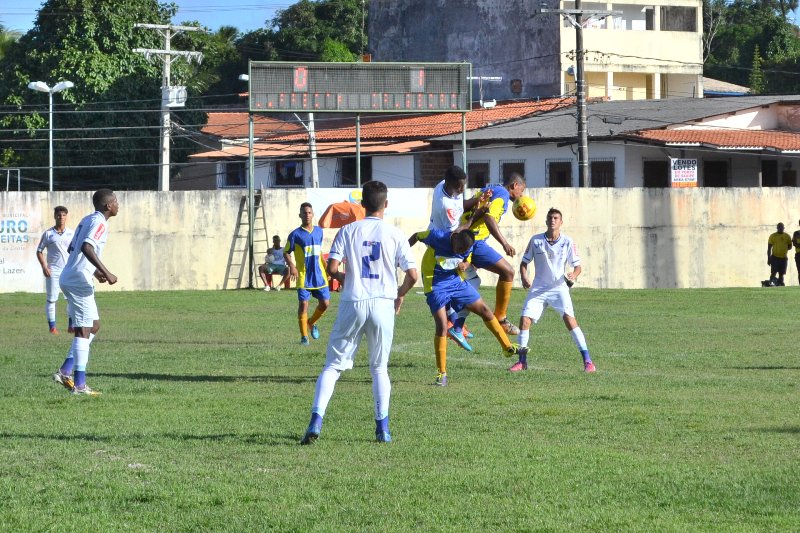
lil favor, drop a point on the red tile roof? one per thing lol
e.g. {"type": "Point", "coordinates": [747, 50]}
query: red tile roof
{"type": "Point", "coordinates": [234, 125]}
{"type": "Point", "coordinates": [726, 139]}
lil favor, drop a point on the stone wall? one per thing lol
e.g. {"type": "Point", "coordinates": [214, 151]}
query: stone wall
{"type": "Point", "coordinates": [627, 238]}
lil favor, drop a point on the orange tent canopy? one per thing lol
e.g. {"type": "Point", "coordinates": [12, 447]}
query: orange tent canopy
{"type": "Point", "coordinates": [341, 214]}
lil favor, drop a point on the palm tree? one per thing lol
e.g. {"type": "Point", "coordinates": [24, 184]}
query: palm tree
{"type": "Point", "coordinates": [7, 38]}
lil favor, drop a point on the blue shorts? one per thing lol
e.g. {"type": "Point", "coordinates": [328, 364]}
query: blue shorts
{"type": "Point", "coordinates": [483, 255]}
{"type": "Point", "coordinates": [304, 295]}
{"type": "Point", "coordinates": [457, 298]}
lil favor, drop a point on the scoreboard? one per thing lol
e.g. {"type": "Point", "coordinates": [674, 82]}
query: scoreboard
{"type": "Point", "coordinates": [280, 86]}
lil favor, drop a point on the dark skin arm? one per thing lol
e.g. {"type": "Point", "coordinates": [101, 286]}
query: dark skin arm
{"type": "Point", "coordinates": [494, 230]}
{"type": "Point", "coordinates": [102, 273]}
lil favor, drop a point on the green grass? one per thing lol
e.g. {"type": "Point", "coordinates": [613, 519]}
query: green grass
{"type": "Point", "coordinates": [690, 424]}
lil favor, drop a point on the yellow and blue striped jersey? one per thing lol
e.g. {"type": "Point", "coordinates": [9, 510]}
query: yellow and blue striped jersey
{"type": "Point", "coordinates": [307, 249]}
{"type": "Point", "coordinates": [498, 205]}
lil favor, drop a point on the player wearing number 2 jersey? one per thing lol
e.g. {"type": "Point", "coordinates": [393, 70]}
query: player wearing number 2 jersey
{"type": "Point", "coordinates": [373, 250]}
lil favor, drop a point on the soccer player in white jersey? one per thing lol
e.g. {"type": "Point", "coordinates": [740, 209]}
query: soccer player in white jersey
{"type": "Point", "coordinates": [446, 209]}
{"type": "Point", "coordinates": [76, 281]}
{"type": "Point", "coordinates": [55, 241]}
{"type": "Point", "coordinates": [369, 302]}
{"type": "Point", "coordinates": [550, 253]}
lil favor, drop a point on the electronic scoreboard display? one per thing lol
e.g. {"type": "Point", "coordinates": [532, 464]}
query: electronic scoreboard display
{"type": "Point", "coordinates": [280, 86]}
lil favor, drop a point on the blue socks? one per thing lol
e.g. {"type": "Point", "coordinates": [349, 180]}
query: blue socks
{"type": "Point", "coordinates": [586, 358]}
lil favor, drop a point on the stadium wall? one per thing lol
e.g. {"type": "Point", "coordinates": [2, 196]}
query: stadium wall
{"type": "Point", "coordinates": [627, 238]}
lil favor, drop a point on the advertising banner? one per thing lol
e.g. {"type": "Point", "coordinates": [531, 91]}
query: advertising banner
{"type": "Point", "coordinates": [683, 172]}
{"type": "Point", "coordinates": [20, 230]}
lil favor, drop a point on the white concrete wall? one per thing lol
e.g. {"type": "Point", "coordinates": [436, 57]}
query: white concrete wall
{"type": "Point", "coordinates": [628, 238]}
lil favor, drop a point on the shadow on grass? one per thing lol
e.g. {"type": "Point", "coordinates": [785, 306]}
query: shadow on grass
{"type": "Point", "coordinates": [201, 378]}
{"type": "Point", "coordinates": [218, 379]}
{"type": "Point", "coordinates": [253, 438]}
{"type": "Point", "coordinates": [766, 367]}
{"type": "Point", "coordinates": [784, 429]}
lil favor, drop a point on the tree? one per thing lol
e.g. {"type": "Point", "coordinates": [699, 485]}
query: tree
{"type": "Point", "coordinates": [107, 125]}
{"type": "Point", "coordinates": [300, 31]}
{"type": "Point", "coordinates": [7, 39]}
{"type": "Point", "coordinates": [756, 79]}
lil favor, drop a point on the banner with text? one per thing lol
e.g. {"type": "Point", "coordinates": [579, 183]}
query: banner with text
{"type": "Point", "coordinates": [20, 230]}
{"type": "Point", "coordinates": [683, 172]}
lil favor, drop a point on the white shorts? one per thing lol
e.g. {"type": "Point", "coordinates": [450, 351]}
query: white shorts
{"type": "Point", "coordinates": [82, 307]}
{"type": "Point", "coordinates": [539, 299]}
{"type": "Point", "coordinates": [373, 318]}
{"type": "Point", "coordinates": [52, 287]}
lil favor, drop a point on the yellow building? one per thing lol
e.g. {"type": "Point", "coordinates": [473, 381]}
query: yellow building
{"type": "Point", "coordinates": [641, 51]}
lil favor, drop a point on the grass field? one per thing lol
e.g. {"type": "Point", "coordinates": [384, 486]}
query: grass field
{"type": "Point", "coordinates": [692, 422]}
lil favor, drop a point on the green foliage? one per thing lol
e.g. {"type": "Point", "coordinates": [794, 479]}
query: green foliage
{"type": "Point", "coordinates": [756, 80]}
{"type": "Point", "coordinates": [303, 28]}
{"type": "Point", "coordinates": [690, 423]}
{"type": "Point", "coordinates": [336, 52]}
{"type": "Point", "coordinates": [742, 26]}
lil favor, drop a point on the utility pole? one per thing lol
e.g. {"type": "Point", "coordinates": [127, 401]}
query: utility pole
{"type": "Point", "coordinates": [312, 147]}
{"type": "Point", "coordinates": [576, 18]}
{"type": "Point", "coordinates": [167, 31]}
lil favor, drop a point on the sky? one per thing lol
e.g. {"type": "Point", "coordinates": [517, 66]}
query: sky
{"type": "Point", "coordinates": [246, 15]}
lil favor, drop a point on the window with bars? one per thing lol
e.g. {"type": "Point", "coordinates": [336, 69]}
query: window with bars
{"type": "Point", "coordinates": [234, 175]}
{"type": "Point", "coordinates": [655, 174]}
{"type": "Point", "coordinates": [601, 172]}
{"type": "Point", "coordinates": [559, 173]}
{"type": "Point", "coordinates": [347, 171]}
{"type": "Point", "coordinates": [477, 174]}
{"type": "Point", "coordinates": [289, 173]}
{"type": "Point", "coordinates": [507, 167]}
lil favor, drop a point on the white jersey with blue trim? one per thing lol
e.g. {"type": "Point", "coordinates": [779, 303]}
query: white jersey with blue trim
{"type": "Point", "coordinates": [56, 245]}
{"type": "Point", "coordinates": [372, 250]}
{"type": "Point", "coordinates": [550, 260]}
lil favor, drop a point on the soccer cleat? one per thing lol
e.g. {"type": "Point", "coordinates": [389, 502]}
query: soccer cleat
{"type": "Point", "coordinates": [85, 390]}
{"type": "Point", "coordinates": [314, 332]}
{"type": "Point", "coordinates": [304, 341]}
{"type": "Point", "coordinates": [54, 331]}
{"type": "Point", "coordinates": [383, 436]}
{"type": "Point", "coordinates": [311, 435]}
{"type": "Point", "coordinates": [589, 367]}
{"type": "Point", "coordinates": [518, 366]}
{"type": "Point", "coordinates": [459, 338]}
{"type": "Point", "coordinates": [278, 288]}
{"type": "Point", "coordinates": [516, 349]}
{"type": "Point", "coordinates": [467, 333]}
{"type": "Point", "coordinates": [508, 327]}
{"type": "Point", "coordinates": [64, 380]}
{"type": "Point", "coordinates": [266, 288]}
{"type": "Point", "coordinates": [441, 379]}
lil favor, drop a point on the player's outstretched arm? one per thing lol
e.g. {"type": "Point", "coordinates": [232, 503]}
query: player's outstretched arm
{"type": "Point", "coordinates": [494, 230]}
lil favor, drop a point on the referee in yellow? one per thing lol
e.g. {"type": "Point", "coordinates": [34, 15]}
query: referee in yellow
{"type": "Point", "coordinates": [778, 247]}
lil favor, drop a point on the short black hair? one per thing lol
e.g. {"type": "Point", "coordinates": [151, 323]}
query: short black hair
{"type": "Point", "coordinates": [373, 196]}
{"type": "Point", "coordinates": [306, 204]}
{"type": "Point", "coordinates": [554, 210]}
{"type": "Point", "coordinates": [463, 239]}
{"type": "Point", "coordinates": [60, 209]}
{"type": "Point", "coordinates": [514, 177]}
{"type": "Point", "coordinates": [453, 174]}
{"type": "Point", "coordinates": [276, 237]}
{"type": "Point", "coordinates": [101, 198]}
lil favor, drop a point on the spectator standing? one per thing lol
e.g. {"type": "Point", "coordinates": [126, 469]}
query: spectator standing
{"type": "Point", "coordinates": [778, 246]}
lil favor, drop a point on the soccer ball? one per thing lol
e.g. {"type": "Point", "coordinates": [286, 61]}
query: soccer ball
{"type": "Point", "coordinates": [524, 208]}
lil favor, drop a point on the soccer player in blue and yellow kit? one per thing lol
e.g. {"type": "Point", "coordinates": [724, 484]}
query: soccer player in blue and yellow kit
{"type": "Point", "coordinates": [444, 286]}
{"type": "Point", "coordinates": [308, 271]}
{"type": "Point", "coordinates": [484, 256]}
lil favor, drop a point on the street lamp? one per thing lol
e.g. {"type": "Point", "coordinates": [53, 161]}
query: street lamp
{"type": "Point", "coordinates": [44, 88]}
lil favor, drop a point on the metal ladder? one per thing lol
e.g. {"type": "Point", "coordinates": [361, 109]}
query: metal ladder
{"type": "Point", "coordinates": [235, 273]}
